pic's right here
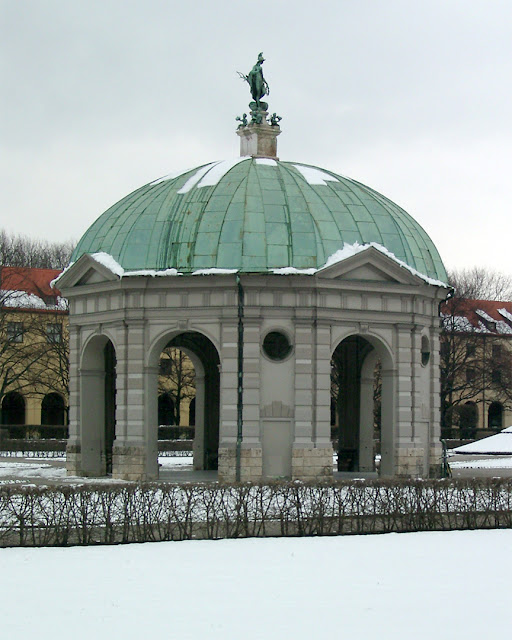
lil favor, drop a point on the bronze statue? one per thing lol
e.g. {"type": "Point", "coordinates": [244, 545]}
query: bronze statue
{"type": "Point", "coordinates": [242, 120]}
{"type": "Point", "coordinates": [275, 119]}
{"type": "Point", "coordinates": [257, 84]}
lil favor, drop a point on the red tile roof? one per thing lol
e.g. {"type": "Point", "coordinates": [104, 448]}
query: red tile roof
{"type": "Point", "coordinates": [30, 280]}
{"type": "Point", "coordinates": [481, 314]}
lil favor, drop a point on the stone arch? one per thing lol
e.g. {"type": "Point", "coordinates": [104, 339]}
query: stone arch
{"type": "Point", "coordinates": [354, 361]}
{"type": "Point", "coordinates": [205, 358]}
{"type": "Point", "coordinates": [97, 405]}
{"type": "Point", "coordinates": [53, 410]}
{"type": "Point", "coordinates": [13, 408]}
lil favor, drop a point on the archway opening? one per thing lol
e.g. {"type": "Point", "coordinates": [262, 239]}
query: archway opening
{"type": "Point", "coordinates": [98, 406]}
{"type": "Point", "coordinates": [165, 408]}
{"type": "Point", "coordinates": [189, 391]}
{"type": "Point", "coordinates": [468, 420]}
{"type": "Point", "coordinates": [495, 416]}
{"type": "Point", "coordinates": [53, 410]}
{"type": "Point", "coordinates": [362, 406]}
{"type": "Point", "coordinates": [13, 409]}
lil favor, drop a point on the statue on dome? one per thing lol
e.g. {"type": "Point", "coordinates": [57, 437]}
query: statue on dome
{"type": "Point", "coordinates": [257, 84]}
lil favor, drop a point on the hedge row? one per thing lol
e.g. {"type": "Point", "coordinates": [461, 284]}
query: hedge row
{"type": "Point", "coordinates": [122, 512]}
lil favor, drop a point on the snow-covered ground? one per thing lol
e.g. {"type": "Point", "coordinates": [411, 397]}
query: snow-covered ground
{"type": "Point", "coordinates": [38, 470]}
{"type": "Point", "coordinates": [452, 585]}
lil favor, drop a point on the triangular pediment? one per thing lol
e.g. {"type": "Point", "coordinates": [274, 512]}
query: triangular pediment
{"type": "Point", "coordinates": [370, 265]}
{"type": "Point", "coordinates": [85, 271]}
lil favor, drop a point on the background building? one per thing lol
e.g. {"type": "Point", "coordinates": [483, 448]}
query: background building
{"type": "Point", "coordinates": [476, 367]}
{"type": "Point", "coordinates": [34, 352]}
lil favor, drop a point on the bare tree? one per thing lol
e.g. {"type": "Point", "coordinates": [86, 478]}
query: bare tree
{"type": "Point", "coordinates": [22, 251]}
{"type": "Point", "coordinates": [176, 379]}
{"type": "Point", "coordinates": [478, 283]}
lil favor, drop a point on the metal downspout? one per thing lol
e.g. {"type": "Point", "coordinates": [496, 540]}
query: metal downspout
{"type": "Point", "coordinates": [240, 398]}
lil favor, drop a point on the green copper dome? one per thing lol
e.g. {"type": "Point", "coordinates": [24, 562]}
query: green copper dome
{"type": "Point", "coordinates": [254, 214]}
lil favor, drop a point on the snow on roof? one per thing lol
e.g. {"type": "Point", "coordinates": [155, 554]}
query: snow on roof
{"type": "Point", "coordinates": [481, 316]}
{"type": "Point", "coordinates": [268, 161]}
{"type": "Point", "coordinates": [506, 314]}
{"type": "Point", "coordinates": [348, 250]}
{"type": "Point", "coordinates": [352, 249]}
{"type": "Point", "coordinates": [30, 288]}
{"type": "Point", "coordinates": [315, 176]}
{"type": "Point", "coordinates": [214, 271]}
{"type": "Point", "coordinates": [498, 444]}
{"type": "Point", "coordinates": [289, 271]}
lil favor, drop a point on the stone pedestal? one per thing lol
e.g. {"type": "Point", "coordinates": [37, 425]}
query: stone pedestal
{"type": "Point", "coordinates": [312, 464]}
{"type": "Point", "coordinates": [130, 463]}
{"type": "Point", "coordinates": [259, 140]}
{"type": "Point", "coordinates": [73, 459]}
{"type": "Point", "coordinates": [251, 469]}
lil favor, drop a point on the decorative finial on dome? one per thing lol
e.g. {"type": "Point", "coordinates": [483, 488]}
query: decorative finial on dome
{"type": "Point", "coordinates": [259, 137]}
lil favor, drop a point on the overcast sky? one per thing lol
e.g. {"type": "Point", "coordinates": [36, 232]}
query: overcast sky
{"type": "Point", "coordinates": [412, 98]}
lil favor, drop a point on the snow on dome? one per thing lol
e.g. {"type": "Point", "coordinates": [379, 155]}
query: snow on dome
{"type": "Point", "coordinates": [314, 175]}
{"type": "Point", "coordinates": [171, 176]}
{"type": "Point", "coordinates": [193, 180]}
{"type": "Point", "coordinates": [218, 171]}
{"type": "Point", "coordinates": [256, 215]}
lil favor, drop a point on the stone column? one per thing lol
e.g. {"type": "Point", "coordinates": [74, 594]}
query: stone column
{"type": "Point", "coordinates": [130, 455]}
{"type": "Point", "coordinates": [199, 426]}
{"type": "Point", "coordinates": [409, 452]}
{"type": "Point", "coordinates": [312, 448]}
{"type": "Point", "coordinates": [73, 448]}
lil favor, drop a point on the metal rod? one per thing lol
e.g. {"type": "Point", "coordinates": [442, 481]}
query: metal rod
{"type": "Point", "coordinates": [240, 397]}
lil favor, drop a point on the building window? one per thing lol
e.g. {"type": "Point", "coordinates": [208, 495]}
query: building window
{"type": "Point", "coordinates": [496, 376]}
{"type": "Point", "coordinates": [495, 416]}
{"type": "Point", "coordinates": [15, 331]}
{"type": "Point", "coordinates": [276, 346]}
{"type": "Point", "coordinates": [470, 374]}
{"type": "Point", "coordinates": [425, 351]}
{"type": "Point", "coordinates": [470, 350]}
{"type": "Point", "coordinates": [54, 333]}
{"type": "Point", "coordinates": [166, 367]}
{"type": "Point", "coordinates": [496, 351]}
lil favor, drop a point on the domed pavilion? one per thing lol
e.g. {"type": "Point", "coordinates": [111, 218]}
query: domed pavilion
{"type": "Point", "coordinates": [281, 281]}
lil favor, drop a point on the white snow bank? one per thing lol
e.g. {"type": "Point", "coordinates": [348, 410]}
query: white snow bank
{"type": "Point", "coordinates": [315, 176]}
{"type": "Point", "coordinates": [390, 587]}
{"type": "Point", "coordinates": [498, 444]}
